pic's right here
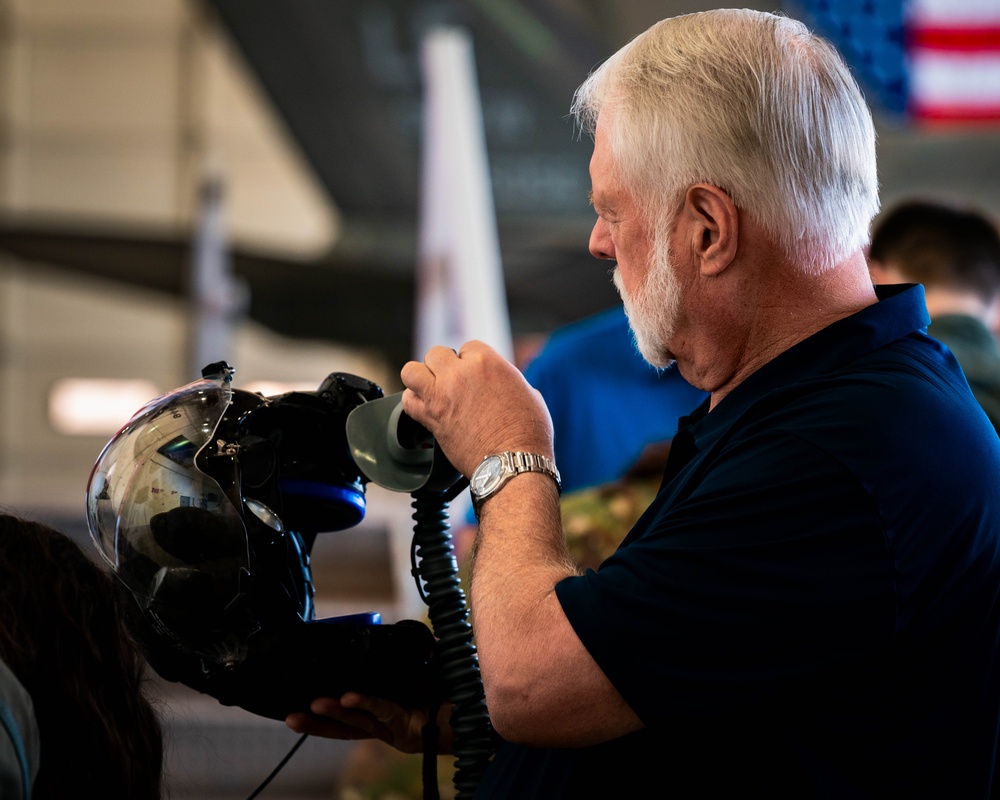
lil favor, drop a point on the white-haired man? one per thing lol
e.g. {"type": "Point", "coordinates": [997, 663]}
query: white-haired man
{"type": "Point", "coordinates": [809, 608]}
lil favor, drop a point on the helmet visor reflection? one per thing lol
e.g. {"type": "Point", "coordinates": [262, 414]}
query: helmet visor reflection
{"type": "Point", "coordinates": [167, 529]}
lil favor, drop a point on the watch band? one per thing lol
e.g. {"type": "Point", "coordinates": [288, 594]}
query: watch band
{"type": "Point", "coordinates": [501, 467]}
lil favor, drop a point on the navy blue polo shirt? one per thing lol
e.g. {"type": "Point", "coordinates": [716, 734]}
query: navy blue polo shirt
{"type": "Point", "coordinates": [809, 608]}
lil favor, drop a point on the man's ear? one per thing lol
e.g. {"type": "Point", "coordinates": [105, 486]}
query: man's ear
{"type": "Point", "coordinates": [714, 227]}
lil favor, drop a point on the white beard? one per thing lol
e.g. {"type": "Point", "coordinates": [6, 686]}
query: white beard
{"type": "Point", "coordinates": [652, 311]}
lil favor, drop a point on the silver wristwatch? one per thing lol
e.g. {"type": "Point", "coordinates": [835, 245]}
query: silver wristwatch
{"type": "Point", "coordinates": [495, 470]}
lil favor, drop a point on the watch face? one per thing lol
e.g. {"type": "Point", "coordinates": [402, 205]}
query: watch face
{"type": "Point", "coordinates": [487, 476]}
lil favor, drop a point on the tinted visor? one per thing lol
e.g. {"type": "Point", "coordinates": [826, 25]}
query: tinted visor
{"type": "Point", "coordinates": [171, 532]}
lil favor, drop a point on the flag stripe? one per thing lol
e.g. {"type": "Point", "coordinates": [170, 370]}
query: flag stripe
{"type": "Point", "coordinates": [965, 40]}
{"type": "Point", "coordinates": [954, 86]}
{"type": "Point", "coordinates": [956, 113]}
{"type": "Point", "coordinates": [953, 55]}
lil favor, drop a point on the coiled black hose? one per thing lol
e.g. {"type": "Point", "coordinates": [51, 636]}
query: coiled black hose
{"type": "Point", "coordinates": [436, 570]}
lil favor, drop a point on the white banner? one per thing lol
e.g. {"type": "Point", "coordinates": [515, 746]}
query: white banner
{"type": "Point", "coordinates": [460, 288]}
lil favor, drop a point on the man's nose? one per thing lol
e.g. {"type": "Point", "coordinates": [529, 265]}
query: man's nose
{"type": "Point", "coordinates": [601, 245]}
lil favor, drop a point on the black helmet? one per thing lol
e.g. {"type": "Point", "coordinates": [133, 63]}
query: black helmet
{"type": "Point", "coordinates": [205, 505]}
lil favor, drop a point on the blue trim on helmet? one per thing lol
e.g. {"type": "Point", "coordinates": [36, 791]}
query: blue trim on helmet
{"type": "Point", "coordinates": [344, 496]}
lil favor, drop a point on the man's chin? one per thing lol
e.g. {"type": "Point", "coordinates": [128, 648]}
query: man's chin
{"type": "Point", "coordinates": [656, 356]}
{"type": "Point", "coordinates": [662, 362]}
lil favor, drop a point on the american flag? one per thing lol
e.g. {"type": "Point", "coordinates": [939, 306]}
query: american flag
{"type": "Point", "coordinates": [924, 61]}
{"type": "Point", "coordinates": [954, 60]}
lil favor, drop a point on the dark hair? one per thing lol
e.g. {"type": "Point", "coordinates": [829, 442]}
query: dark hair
{"type": "Point", "coordinates": [61, 634]}
{"type": "Point", "coordinates": [938, 244]}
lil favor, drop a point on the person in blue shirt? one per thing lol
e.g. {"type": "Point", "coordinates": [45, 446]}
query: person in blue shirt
{"type": "Point", "coordinates": [613, 417]}
{"type": "Point", "coordinates": [610, 409]}
{"type": "Point", "coordinates": [810, 607]}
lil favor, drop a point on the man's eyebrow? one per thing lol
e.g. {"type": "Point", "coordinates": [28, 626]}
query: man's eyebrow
{"type": "Point", "coordinates": [600, 204]}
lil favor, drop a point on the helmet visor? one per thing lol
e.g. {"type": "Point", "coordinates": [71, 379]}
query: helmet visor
{"type": "Point", "coordinates": [169, 530]}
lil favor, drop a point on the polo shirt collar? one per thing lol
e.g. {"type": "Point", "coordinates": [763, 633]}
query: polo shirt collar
{"type": "Point", "coordinates": [900, 311]}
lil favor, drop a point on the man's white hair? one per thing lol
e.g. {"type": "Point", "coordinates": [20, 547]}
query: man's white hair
{"type": "Point", "coordinates": [750, 102]}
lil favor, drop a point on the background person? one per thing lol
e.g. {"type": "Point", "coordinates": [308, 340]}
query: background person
{"type": "Point", "coordinates": [611, 411]}
{"type": "Point", "coordinates": [62, 636]}
{"type": "Point", "coordinates": [811, 605]}
{"type": "Point", "coordinates": [955, 253]}
{"type": "Point", "coordinates": [613, 417]}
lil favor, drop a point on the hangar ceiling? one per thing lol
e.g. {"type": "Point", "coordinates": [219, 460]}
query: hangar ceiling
{"type": "Point", "coordinates": [344, 78]}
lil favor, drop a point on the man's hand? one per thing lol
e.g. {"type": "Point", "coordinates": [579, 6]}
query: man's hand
{"type": "Point", "coordinates": [357, 716]}
{"type": "Point", "coordinates": [475, 403]}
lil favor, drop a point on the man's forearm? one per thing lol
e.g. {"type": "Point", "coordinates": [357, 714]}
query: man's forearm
{"type": "Point", "coordinates": [518, 556]}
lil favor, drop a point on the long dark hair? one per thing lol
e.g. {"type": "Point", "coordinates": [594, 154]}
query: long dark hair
{"type": "Point", "coordinates": [62, 635]}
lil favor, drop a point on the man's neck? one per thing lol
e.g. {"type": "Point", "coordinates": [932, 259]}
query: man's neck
{"type": "Point", "coordinates": [800, 306]}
